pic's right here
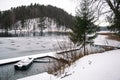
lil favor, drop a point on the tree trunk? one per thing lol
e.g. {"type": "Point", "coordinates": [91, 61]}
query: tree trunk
{"type": "Point", "coordinates": [84, 44]}
{"type": "Point", "coordinates": [15, 32]}
{"type": "Point", "coordinates": [84, 49]}
{"type": "Point", "coordinates": [41, 31]}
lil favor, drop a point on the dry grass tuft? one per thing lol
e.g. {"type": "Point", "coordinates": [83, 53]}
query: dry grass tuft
{"type": "Point", "coordinates": [114, 37]}
{"type": "Point", "coordinates": [105, 33]}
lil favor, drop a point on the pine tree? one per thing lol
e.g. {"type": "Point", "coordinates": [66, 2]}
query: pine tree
{"type": "Point", "coordinates": [84, 30]}
{"type": "Point", "coordinates": [6, 22]}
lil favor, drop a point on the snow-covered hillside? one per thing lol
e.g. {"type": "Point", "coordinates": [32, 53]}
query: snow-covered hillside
{"type": "Point", "coordinates": [32, 25]}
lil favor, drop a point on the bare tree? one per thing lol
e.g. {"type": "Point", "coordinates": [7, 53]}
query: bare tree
{"type": "Point", "coordinates": [112, 12]}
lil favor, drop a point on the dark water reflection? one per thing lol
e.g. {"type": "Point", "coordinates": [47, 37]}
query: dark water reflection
{"type": "Point", "coordinates": [6, 35]}
{"type": "Point", "coordinates": [7, 72]}
{"type": "Point", "coordinates": [32, 34]}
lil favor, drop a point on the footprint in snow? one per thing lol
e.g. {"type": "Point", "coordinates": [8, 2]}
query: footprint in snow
{"type": "Point", "coordinates": [17, 46]}
{"type": "Point", "coordinates": [37, 43]}
{"type": "Point", "coordinates": [43, 46]}
{"type": "Point", "coordinates": [1, 43]}
{"type": "Point", "coordinates": [89, 62]}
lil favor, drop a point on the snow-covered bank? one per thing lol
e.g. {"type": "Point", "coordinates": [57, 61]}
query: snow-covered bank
{"type": "Point", "coordinates": [93, 67]}
{"type": "Point", "coordinates": [102, 40]}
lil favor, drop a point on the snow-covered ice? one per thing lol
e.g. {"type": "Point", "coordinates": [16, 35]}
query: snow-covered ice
{"type": "Point", "coordinates": [23, 46]}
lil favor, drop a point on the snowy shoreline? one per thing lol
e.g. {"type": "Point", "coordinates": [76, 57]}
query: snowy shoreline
{"type": "Point", "coordinates": [103, 66]}
{"type": "Point", "coordinates": [11, 60]}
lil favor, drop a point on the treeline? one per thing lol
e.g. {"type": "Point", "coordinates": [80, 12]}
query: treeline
{"type": "Point", "coordinates": [9, 17]}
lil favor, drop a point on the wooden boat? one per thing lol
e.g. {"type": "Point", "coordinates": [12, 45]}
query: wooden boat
{"type": "Point", "coordinates": [24, 64]}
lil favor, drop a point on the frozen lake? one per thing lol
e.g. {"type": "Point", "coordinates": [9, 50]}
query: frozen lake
{"type": "Point", "coordinates": [11, 47]}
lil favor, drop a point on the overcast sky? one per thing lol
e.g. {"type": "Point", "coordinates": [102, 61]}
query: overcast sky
{"type": "Point", "coordinates": [67, 5]}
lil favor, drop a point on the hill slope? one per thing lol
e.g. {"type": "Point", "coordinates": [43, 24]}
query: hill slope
{"type": "Point", "coordinates": [10, 17]}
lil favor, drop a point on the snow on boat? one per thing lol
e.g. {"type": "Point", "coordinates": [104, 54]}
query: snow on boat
{"type": "Point", "coordinates": [24, 64]}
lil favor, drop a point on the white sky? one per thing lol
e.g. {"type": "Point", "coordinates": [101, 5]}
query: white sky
{"type": "Point", "coordinates": [67, 5]}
